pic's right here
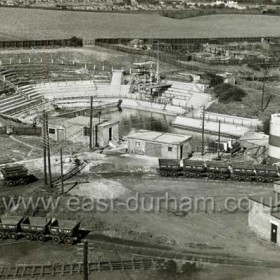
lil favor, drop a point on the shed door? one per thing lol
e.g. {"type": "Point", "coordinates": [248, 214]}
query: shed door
{"type": "Point", "coordinates": [60, 135]}
{"type": "Point", "coordinates": [181, 151]}
{"type": "Point", "coordinates": [153, 150]}
{"type": "Point", "coordinates": [273, 233]}
{"type": "Point", "coordinates": [110, 133]}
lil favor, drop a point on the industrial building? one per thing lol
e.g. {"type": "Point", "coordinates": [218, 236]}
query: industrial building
{"type": "Point", "coordinates": [229, 131]}
{"type": "Point", "coordinates": [77, 130]}
{"type": "Point", "coordinates": [274, 139]}
{"type": "Point", "coordinates": [264, 215]}
{"type": "Point", "coordinates": [159, 144]}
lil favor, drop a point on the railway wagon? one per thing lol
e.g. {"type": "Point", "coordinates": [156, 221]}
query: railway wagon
{"type": "Point", "coordinates": [64, 231]}
{"type": "Point", "coordinates": [242, 171]}
{"type": "Point", "coordinates": [218, 170]}
{"type": "Point", "coordinates": [10, 227]}
{"type": "Point", "coordinates": [169, 168]}
{"type": "Point", "coordinates": [35, 228]}
{"type": "Point", "coordinates": [16, 175]}
{"type": "Point", "coordinates": [40, 229]}
{"type": "Point", "coordinates": [267, 173]}
{"type": "Point", "coordinates": [194, 168]}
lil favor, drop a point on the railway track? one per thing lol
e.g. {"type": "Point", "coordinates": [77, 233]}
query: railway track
{"type": "Point", "coordinates": [70, 173]}
{"type": "Point", "coordinates": [198, 258]}
{"type": "Point", "coordinates": [155, 177]}
{"type": "Point", "coordinates": [35, 270]}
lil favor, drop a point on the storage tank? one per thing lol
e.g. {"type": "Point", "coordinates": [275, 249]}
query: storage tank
{"type": "Point", "coordinates": [274, 139]}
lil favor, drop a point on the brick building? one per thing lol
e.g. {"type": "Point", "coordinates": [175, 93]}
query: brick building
{"type": "Point", "coordinates": [77, 130]}
{"type": "Point", "coordinates": [159, 144]}
{"type": "Point", "coordinates": [264, 215]}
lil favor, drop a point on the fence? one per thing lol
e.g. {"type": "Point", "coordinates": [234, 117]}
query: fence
{"type": "Point", "coordinates": [73, 42]}
{"type": "Point", "coordinates": [37, 131]}
{"type": "Point", "coordinates": [165, 57]}
{"type": "Point", "coordinates": [21, 271]}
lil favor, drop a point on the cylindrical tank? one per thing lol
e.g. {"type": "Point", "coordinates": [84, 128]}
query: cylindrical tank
{"type": "Point", "coordinates": [274, 139]}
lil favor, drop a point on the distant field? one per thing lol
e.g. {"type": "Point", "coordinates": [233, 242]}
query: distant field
{"type": "Point", "coordinates": [38, 24]}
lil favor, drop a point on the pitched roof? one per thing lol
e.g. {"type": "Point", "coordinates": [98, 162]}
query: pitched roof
{"type": "Point", "coordinates": [159, 137]}
{"type": "Point", "coordinates": [269, 199]}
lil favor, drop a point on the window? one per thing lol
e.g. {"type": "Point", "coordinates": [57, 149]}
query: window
{"type": "Point", "coordinates": [51, 131]}
{"type": "Point", "coordinates": [137, 144]}
{"type": "Point", "coordinates": [169, 149]}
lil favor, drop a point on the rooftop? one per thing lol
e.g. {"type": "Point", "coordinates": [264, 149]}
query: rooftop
{"type": "Point", "coordinates": [276, 215]}
{"type": "Point", "coordinates": [78, 121]}
{"type": "Point", "coordinates": [269, 199]}
{"type": "Point", "coordinates": [159, 137]}
{"type": "Point", "coordinates": [257, 138]}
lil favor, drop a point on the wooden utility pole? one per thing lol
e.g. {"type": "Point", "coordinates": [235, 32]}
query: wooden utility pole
{"type": "Point", "coordinates": [85, 263]}
{"type": "Point", "coordinates": [219, 139]}
{"type": "Point", "coordinates": [45, 149]}
{"type": "Point", "coordinates": [90, 125]}
{"type": "Point", "coordinates": [263, 90]}
{"type": "Point", "coordinates": [202, 136]}
{"type": "Point", "coordinates": [61, 171]}
{"type": "Point", "coordinates": [48, 149]}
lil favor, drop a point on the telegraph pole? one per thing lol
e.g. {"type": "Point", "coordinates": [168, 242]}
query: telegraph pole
{"type": "Point", "coordinates": [202, 136]}
{"type": "Point", "coordinates": [263, 90]}
{"type": "Point", "coordinates": [61, 170]}
{"type": "Point", "coordinates": [48, 149]}
{"type": "Point", "coordinates": [45, 149]}
{"type": "Point", "coordinates": [219, 139]}
{"type": "Point", "coordinates": [85, 263]}
{"type": "Point", "coordinates": [90, 126]}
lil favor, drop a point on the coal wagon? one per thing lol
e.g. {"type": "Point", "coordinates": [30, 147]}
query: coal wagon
{"type": "Point", "coordinates": [217, 170]}
{"type": "Point", "coordinates": [10, 227]}
{"type": "Point", "coordinates": [64, 231]}
{"type": "Point", "coordinates": [242, 171]}
{"type": "Point", "coordinates": [40, 229]}
{"type": "Point", "coordinates": [267, 173]}
{"type": "Point", "coordinates": [169, 168]}
{"type": "Point", "coordinates": [35, 228]}
{"type": "Point", "coordinates": [16, 175]}
{"type": "Point", "coordinates": [194, 168]}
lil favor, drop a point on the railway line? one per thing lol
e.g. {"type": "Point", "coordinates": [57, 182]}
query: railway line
{"type": "Point", "coordinates": [156, 177]}
{"type": "Point", "coordinates": [192, 257]}
{"type": "Point", "coordinates": [38, 270]}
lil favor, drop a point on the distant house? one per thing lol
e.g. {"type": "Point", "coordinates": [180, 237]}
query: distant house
{"type": "Point", "coordinates": [264, 215]}
{"type": "Point", "coordinates": [159, 144]}
{"type": "Point", "coordinates": [136, 44]}
{"type": "Point", "coordinates": [77, 130]}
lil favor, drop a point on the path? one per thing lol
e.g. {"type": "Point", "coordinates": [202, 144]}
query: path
{"type": "Point", "coordinates": [25, 144]}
